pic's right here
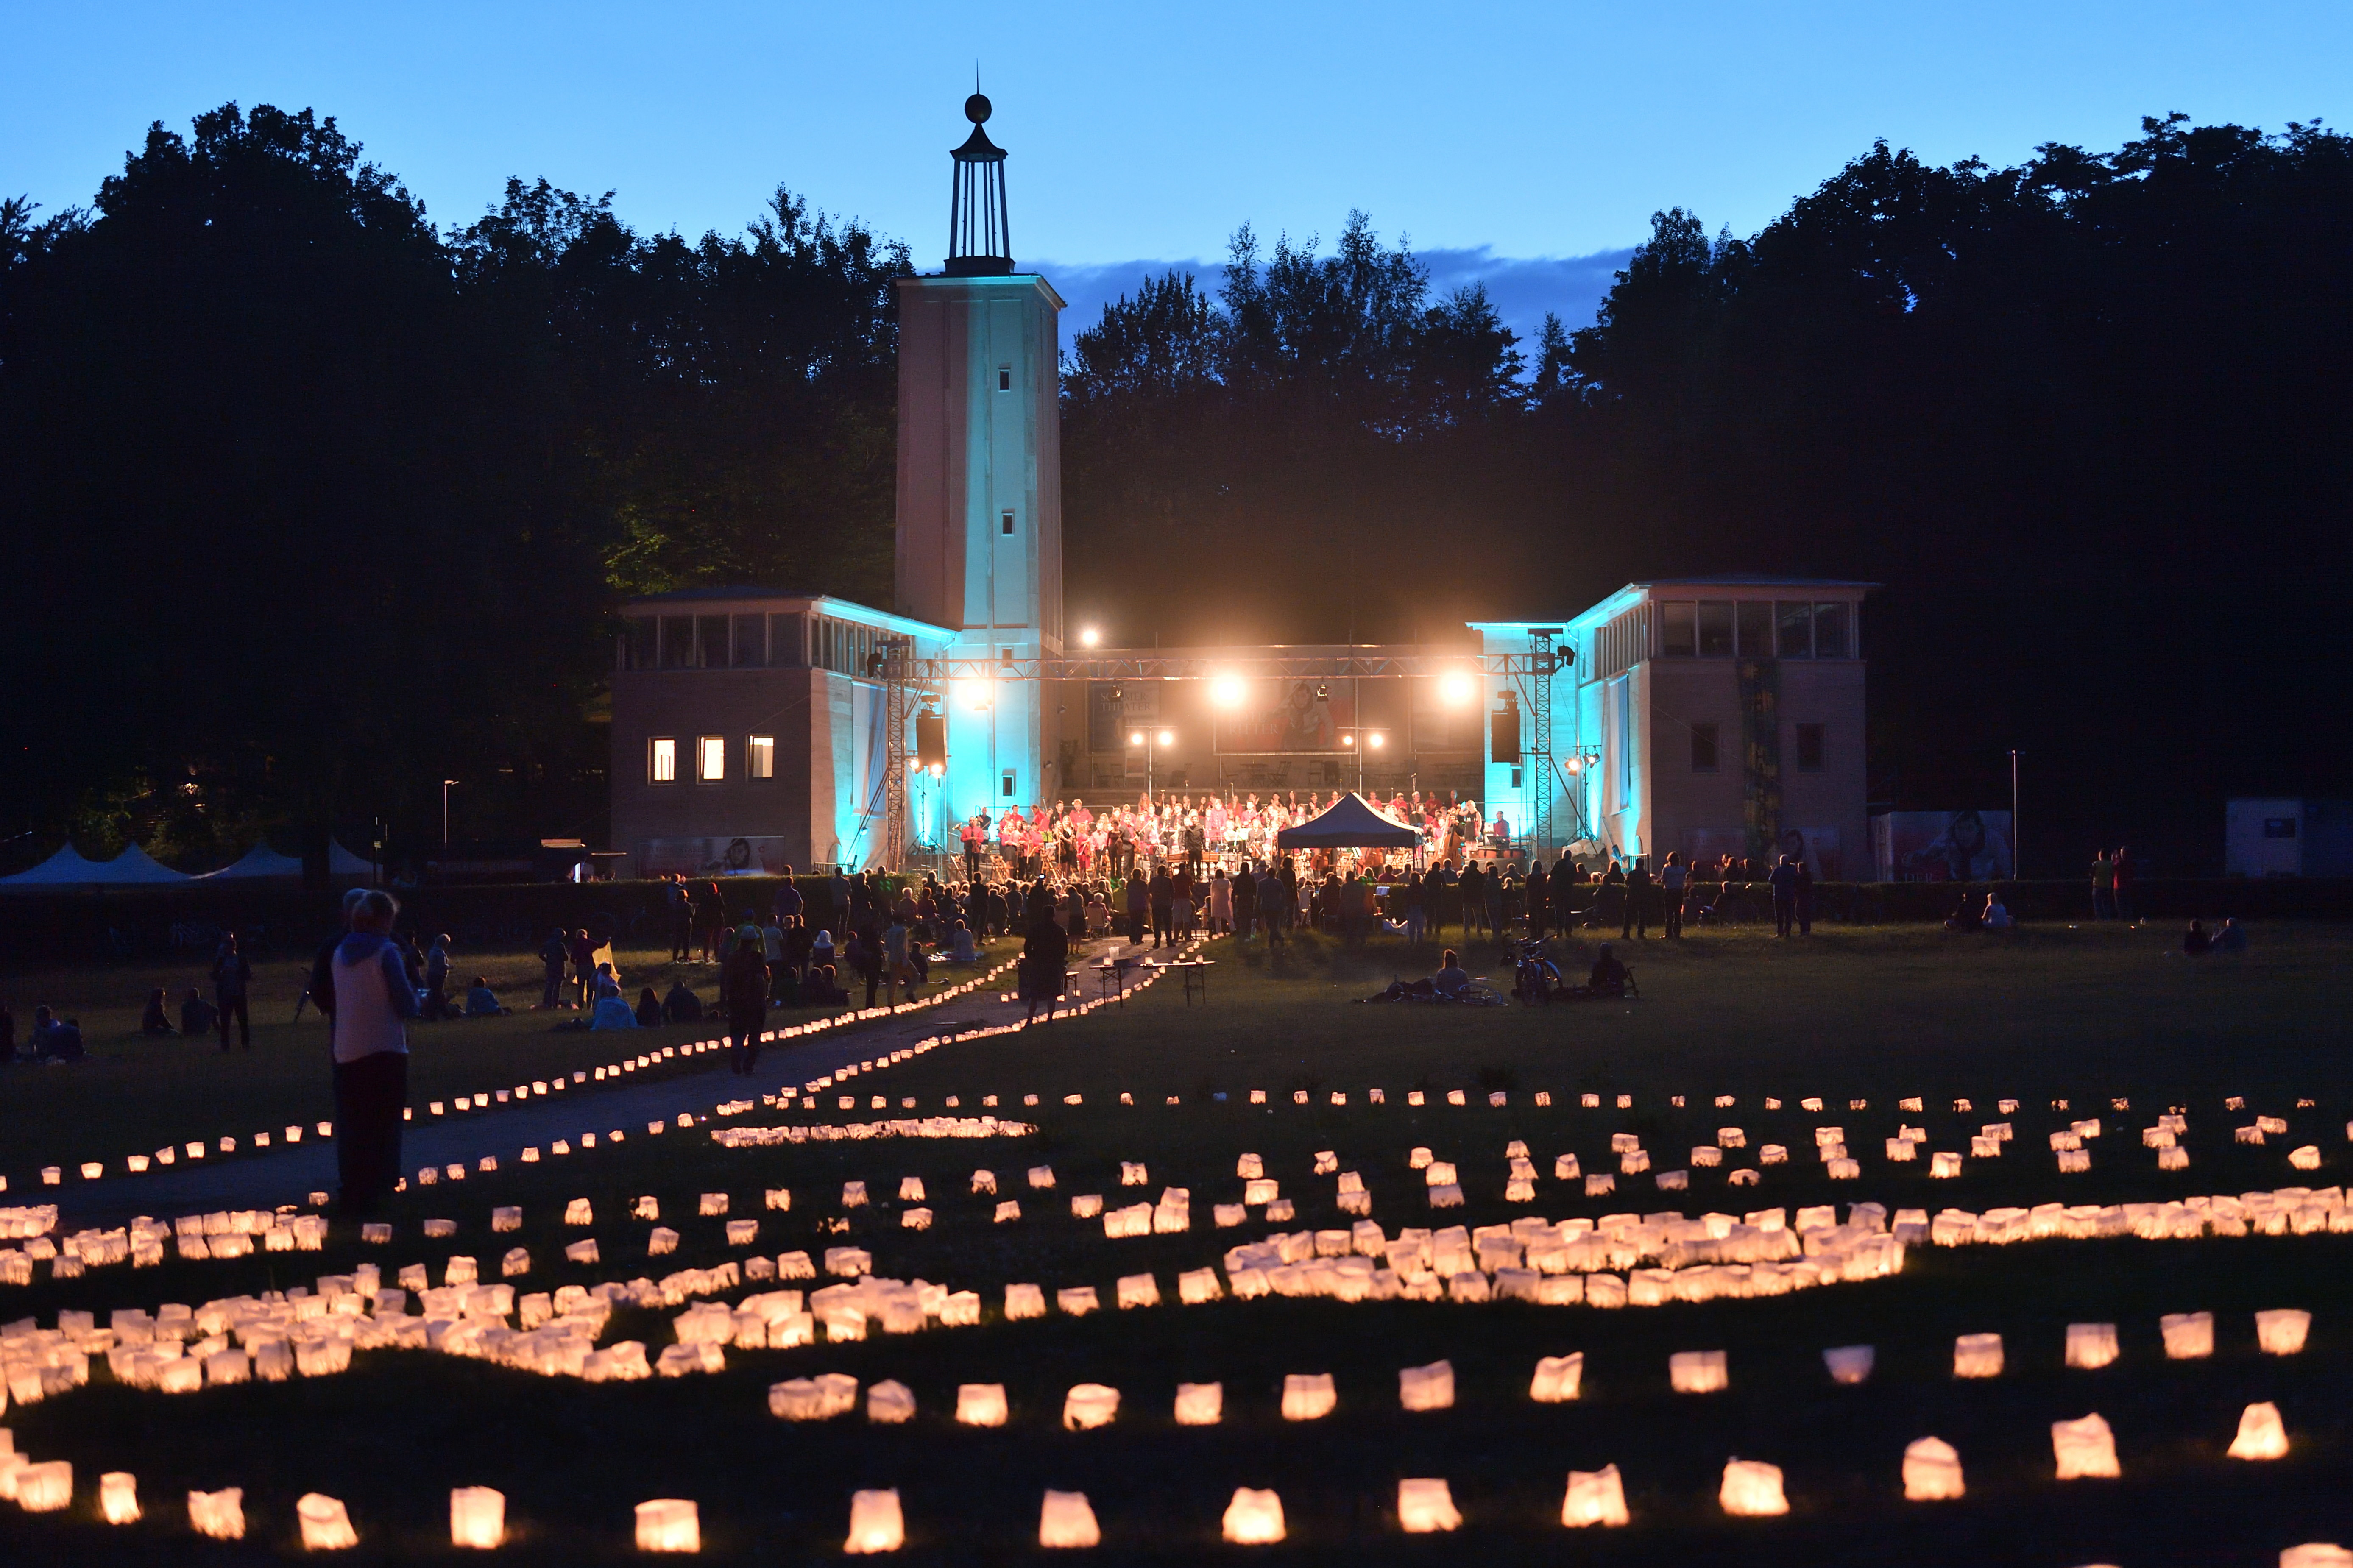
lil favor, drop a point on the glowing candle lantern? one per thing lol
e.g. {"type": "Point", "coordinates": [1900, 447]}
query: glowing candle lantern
{"type": "Point", "coordinates": [1977, 1355]}
{"type": "Point", "coordinates": [1066, 1520]}
{"type": "Point", "coordinates": [669, 1524]}
{"type": "Point", "coordinates": [2281, 1332]}
{"type": "Point", "coordinates": [1752, 1488]}
{"type": "Point", "coordinates": [1025, 1301]}
{"type": "Point", "coordinates": [2083, 1448]}
{"type": "Point", "coordinates": [1200, 1404]}
{"type": "Point", "coordinates": [1041, 1177]}
{"type": "Point", "coordinates": [2316, 1555]}
{"type": "Point", "coordinates": [1138, 1290]}
{"type": "Point", "coordinates": [911, 1189]}
{"type": "Point", "coordinates": [506, 1217]}
{"type": "Point", "coordinates": [1931, 1471]}
{"type": "Point", "coordinates": [1697, 1372]}
{"type": "Point", "coordinates": [1850, 1363]}
{"type": "Point", "coordinates": [2261, 1436]}
{"type": "Point", "coordinates": [45, 1488]}
{"type": "Point", "coordinates": [435, 1229]}
{"type": "Point", "coordinates": [581, 1251]}
{"type": "Point", "coordinates": [1427, 1387]}
{"type": "Point", "coordinates": [1558, 1378]}
{"type": "Point", "coordinates": [220, 1515]}
{"type": "Point", "coordinates": [661, 1241]}
{"type": "Point", "coordinates": [2176, 1159]}
{"type": "Point", "coordinates": [325, 1526]}
{"type": "Point", "coordinates": [980, 1403]}
{"type": "Point", "coordinates": [1008, 1211]}
{"type": "Point", "coordinates": [890, 1401]}
{"type": "Point", "coordinates": [1308, 1396]}
{"type": "Point", "coordinates": [478, 1517]}
{"type": "Point", "coordinates": [1944, 1167]}
{"type": "Point", "coordinates": [1086, 1205]}
{"type": "Point", "coordinates": [909, 1219]}
{"type": "Point", "coordinates": [1197, 1286]}
{"type": "Point", "coordinates": [118, 1496]}
{"type": "Point", "coordinates": [1088, 1405]}
{"type": "Point", "coordinates": [853, 1195]}
{"type": "Point", "coordinates": [1254, 1518]}
{"type": "Point", "coordinates": [983, 1181]}
{"type": "Point", "coordinates": [1595, 1496]}
{"type": "Point", "coordinates": [2189, 1336]}
{"type": "Point", "coordinates": [2091, 1346]}
{"type": "Point", "coordinates": [1425, 1505]}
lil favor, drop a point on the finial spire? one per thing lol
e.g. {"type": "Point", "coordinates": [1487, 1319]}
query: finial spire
{"type": "Point", "coordinates": [979, 239]}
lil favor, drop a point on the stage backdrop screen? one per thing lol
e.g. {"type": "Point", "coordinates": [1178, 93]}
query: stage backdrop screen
{"type": "Point", "coordinates": [1941, 845]}
{"type": "Point", "coordinates": [1282, 718]}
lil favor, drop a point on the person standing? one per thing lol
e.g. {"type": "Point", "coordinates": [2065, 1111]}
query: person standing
{"type": "Point", "coordinates": [583, 954]}
{"type": "Point", "coordinates": [1535, 892]}
{"type": "Point", "coordinates": [1221, 902]}
{"type": "Point", "coordinates": [554, 954]}
{"type": "Point", "coordinates": [1245, 901]}
{"type": "Point", "coordinates": [1636, 922]}
{"type": "Point", "coordinates": [1673, 877]}
{"type": "Point", "coordinates": [2104, 886]}
{"type": "Point", "coordinates": [232, 978]}
{"type": "Point", "coordinates": [436, 978]}
{"type": "Point", "coordinates": [898, 963]}
{"type": "Point", "coordinates": [1044, 955]}
{"type": "Point", "coordinates": [1163, 894]}
{"type": "Point", "coordinates": [1783, 880]}
{"type": "Point", "coordinates": [743, 984]}
{"type": "Point", "coordinates": [1138, 894]}
{"type": "Point", "coordinates": [973, 833]}
{"type": "Point", "coordinates": [679, 904]}
{"type": "Point", "coordinates": [1417, 911]}
{"type": "Point", "coordinates": [2124, 879]}
{"type": "Point", "coordinates": [364, 989]}
{"type": "Point", "coordinates": [1474, 901]}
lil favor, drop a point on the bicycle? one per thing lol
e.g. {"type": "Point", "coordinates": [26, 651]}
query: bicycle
{"type": "Point", "coordinates": [1535, 976]}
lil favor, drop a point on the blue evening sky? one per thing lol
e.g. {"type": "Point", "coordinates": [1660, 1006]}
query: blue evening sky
{"type": "Point", "coordinates": [1522, 143]}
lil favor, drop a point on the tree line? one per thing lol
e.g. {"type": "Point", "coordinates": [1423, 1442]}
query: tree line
{"type": "Point", "coordinates": [315, 504]}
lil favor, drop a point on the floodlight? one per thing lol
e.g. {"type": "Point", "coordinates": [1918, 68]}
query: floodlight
{"type": "Point", "coordinates": [1376, 741]}
{"type": "Point", "coordinates": [1347, 740]}
{"type": "Point", "coordinates": [1136, 738]}
{"type": "Point", "coordinates": [1227, 690]}
{"type": "Point", "coordinates": [1089, 637]}
{"type": "Point", "coordinates": [1168, 737]}
{"type": "Point", "coordinates": [1456, 690]}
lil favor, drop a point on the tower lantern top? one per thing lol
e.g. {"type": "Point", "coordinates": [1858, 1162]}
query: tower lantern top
{"type": "Point", "coordinates": [979, 241]}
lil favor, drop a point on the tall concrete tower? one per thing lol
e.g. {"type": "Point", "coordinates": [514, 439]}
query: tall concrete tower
{"type": "Point", "coordinates": [980, 490]}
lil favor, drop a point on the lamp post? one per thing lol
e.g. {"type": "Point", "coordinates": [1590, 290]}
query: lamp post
{"type": "Point", "coordinates": [1148, 740]}
{"type": "Point", "coordinates": [1361, 739]}
{"type": "Point", "coordinates": [2017, 864]}
{"type": "Point", "coordinates": [446, 784]}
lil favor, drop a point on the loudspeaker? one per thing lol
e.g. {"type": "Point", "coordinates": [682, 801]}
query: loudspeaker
{"type": "Point", "coordinates": [1504, 734]}
{"type": "Point", "coordinates": [931, 741]}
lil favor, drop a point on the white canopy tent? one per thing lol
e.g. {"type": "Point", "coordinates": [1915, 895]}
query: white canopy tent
{"type": "Point", "coordinates": [262, 861]}
{"type": "Point", "coordinates": [68, 868]}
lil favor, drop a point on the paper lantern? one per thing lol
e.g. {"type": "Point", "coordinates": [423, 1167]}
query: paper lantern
{"type": "Point", "coordinates": [1931, 1471]}
{"type": "Point", "coordinates": [2083, 1448]}
{"type": "Point", "coordinates": [1077, 1300]}
{"type": "Point", "coordinates": [2189, 1336]}
{"type": "Point", "coordinates": [478, 1517]}
{"type": "Point", "coordinates": [983, 1181]}
{"type": "Point", "coordinates": [2091, 1346]}
{"type": "Point", "coordinates": [1200, 1404]}
{"type": "Point", "coordinates": [669, 1524]}
{"type": "Point", "coordinates": [661, 1241]}
{"type": "Point", "coordinates": [1977, 1355]}
{"type": "Point", "coordinates": [584, 1251]}
{"type": "Point", "coordinates": [435, 1229]}
{"type": "Point", "coordinates": [1773, 1154]}
{"type": "Point", "coordinates": [1425, 1505]}
{"type": "Point", "coordinates": [2316, 1555]}
{"type": "Point", "coordinates": [1008, 1211]}
{"type": "Point", "coordinates": [1697, 1372]}
{"type": "Point", "coordinates": [2173, 1159]}
{"type": "Point", "coordinates": [890, 1401]}
{"type": "Point", "coordinates": [1138, 1290]}
{"type": "Point", "coordinates": [1944, 1167]}
{"type": "Point", "coordinates": [1752, 1488]}
{"type": "Point", "coordinates": [1253, 1518]}
{"type": "Point", "coordinates": [1025, 1301]}
{"type": "Point", "coordinates": [2261, 1436]}
{"type": "Point", "coordinates": [118, 1495]}
{"type": "Point", "coordinates": [909, 1219]}
{"type": "Point", "coordinates": [1558, 1378]}
{"type": "Point", "coordinates": [1850, 1363]}
{"type": "Point", "coordinates": [325, 1526]}
{"type": "Point", "coordinates": [853, 1195]}
{"type": "Point", "coordinates": [1066, 1520]}
{"type": "Point", "coordinates": [1595, 1496]}
{"type": "Point", "coordinates": [2282, 1331]}
{"type": "Point", "coordinates": [1427, 1387]}
{"type": "Point", "coordinates": [980, 1403]}
{"type": "Point", "coordinates": [1089, 1405]}
{"type": "Point", "coordinates": [1308, 1396]}
{"type": "Point", "coordinates": [45, 1488]}
{"type": "Point", "coordinates": [1041, 1176]}
{"type": "Point", "coordinates": [506, 1217]}
{"type": "Point", "coordinates": [220, 1515]}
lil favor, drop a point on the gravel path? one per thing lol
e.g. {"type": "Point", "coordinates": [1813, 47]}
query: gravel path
{"type": "Point", "coordinates": [289, 1176]}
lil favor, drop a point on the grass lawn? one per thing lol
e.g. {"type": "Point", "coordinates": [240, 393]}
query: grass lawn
{"type": "Point", "coordinates": [1874, 1015]}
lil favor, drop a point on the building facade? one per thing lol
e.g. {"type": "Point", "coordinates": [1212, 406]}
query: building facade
{"type": "Point", "coordinates": [757, 728]}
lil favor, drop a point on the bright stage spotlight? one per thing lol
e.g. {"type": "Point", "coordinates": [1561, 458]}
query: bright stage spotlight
{"type": "Point", "coordinates": [1136, 738]}
{"type": "Point", "coordinates": [1376, 742]}
{"type": "Point", "coordinates": [1168, 737]}
{"type": "Point", "coordinates": [1227, 690]}
{"type": "Point", "coordinates": [1347, 740]}
{"type": "Point", "coordinates": [972, 695]}
{"type": "Point", "coordinates": [1456, 690]}
{"type": "Point", "coordinates": [1089, 637]}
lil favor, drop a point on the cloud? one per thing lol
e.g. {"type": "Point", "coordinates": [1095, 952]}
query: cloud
{"type": "Point", "coordinates": [1523, 288]}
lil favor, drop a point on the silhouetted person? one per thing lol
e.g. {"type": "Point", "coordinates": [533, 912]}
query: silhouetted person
{"type": "Point", "coordinates": [232, 980]}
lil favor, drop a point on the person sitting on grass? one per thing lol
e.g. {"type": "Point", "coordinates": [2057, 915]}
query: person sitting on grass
{"type": "Point", "coordinates": [1607, 977]}
{"type": "Point", "coordinates": [2231, 938]}
{"type": "Point", "coordinates": [1996, 914]}
{"type": "Point", "coordinates": [196, 1014]}
{"type": "Point", "coordinates": [1964, 918]}
{"type": "Point", "coordinates": [157, 1018]}
{"type": "Point", "coordinates": [2195, 942]}
{"type": "Point", "coordinates": [824, 989]}
{"type": "Point", "coordinates": [681, 1005]}
{"type": "Point", "coordinates": [960, 948]}
{"type": "Point", "coordinates": [55, 1039]}
{"type": "Point", "coordinates": [481, 1001]}
{"type": "Point", "coordinates": [612, 1010]}
{"type": "Point", "coordinates": [1451, 982]}
{"type": "Point", "coordinates": [649, 1009]}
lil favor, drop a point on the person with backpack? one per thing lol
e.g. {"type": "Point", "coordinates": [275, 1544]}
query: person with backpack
{"type": "Point", "coordinates": [743, 985]}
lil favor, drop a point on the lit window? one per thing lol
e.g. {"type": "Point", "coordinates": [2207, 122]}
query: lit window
{"type": "Point", "coordinates": [1810, 748]}
{"type": "Point", "coordinates": [710, 759]}
{"type": "Point", "coordinates": [1703, 748]}
{"type": "Point", "coordinates": [661, 761]}
{"type": "Point", "coordinates": [760, 757]}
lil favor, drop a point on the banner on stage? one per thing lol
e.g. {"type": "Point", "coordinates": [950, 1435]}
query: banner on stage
{"type": "Point", "coordinates": [1283, 718]}
{"type": "Point", "coordinates": [762, 855]}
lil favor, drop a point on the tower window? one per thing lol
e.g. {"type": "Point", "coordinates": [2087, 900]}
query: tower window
{"type": "Point", "coordinates": [1005, 786]}
{"type": "Point", "coordinates": [710, 759]}
{"type": "Point", "coordinates": [1810, 748]}
{"type": "Point", "coordinates": [1703, 742]}
{"type": "Point", "coordinates": [760, 757]}
{"type": "Point", "coordinates": [1005, 378]}
{"type": "Point", "coordinates": [1005, 524]}
{"type": "Point", "coordinates": [661, 761]}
